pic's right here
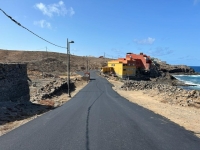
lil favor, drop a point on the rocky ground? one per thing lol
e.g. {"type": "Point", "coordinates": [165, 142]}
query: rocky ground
{"type": "Point", "coordinates": [170, 94]}
{"type": "Point", "coordinates": [167, 87]}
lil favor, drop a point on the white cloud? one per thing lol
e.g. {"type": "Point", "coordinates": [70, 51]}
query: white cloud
{"type": "Point", "coordinates": [61, 3]}
{"type": "Point", "coordinates": [71, 11]}
{"type": "Point", "coordinates": [149, 40]}
{"type": "Point", "coordinates": [43, 24]}
{"type": "Point", "coordinates": [56, 8]}
{"type": "Point", "coordinates": [196, 2]}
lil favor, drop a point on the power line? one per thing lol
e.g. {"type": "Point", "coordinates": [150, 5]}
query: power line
{"type": "Point", "coordinates": [30, 30]}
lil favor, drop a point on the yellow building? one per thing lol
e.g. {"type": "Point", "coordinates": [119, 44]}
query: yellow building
{"type": "Point", "coordinates": [123, 68]}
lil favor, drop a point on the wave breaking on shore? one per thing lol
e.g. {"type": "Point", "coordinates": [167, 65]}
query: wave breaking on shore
{"type": "Point", "coordinates": [193, 81]}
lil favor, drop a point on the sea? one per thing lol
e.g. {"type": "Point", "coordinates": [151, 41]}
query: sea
{"type": "Point", "coordinates": [191, 79]}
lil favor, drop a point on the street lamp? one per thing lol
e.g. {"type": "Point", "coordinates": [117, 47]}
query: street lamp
{"type": "Point", "coordinates": [68, 65]}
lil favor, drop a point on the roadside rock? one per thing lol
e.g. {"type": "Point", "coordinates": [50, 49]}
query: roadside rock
{"type": "Point", "coordinates": [160, 69]}
{"type": "Point", "coordinates": [171, 94]}
{"type": "Point", "coordinates": [50, 89]}
{"type": "Point", "coordinates": [164, 67]}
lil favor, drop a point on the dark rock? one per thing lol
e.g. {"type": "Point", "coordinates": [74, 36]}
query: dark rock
{"type": "Point", "coordinates": [51, 89]}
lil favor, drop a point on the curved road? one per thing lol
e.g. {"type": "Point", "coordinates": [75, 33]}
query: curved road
{"type": "Point", "coordinates": [97, 118]}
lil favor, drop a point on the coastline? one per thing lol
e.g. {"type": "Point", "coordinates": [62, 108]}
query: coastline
{"type": "Point", "coordinates": [188, 81]}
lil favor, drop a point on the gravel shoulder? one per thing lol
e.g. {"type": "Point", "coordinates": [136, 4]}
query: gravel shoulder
{"type": "Point", "coordinates": [187, 117]}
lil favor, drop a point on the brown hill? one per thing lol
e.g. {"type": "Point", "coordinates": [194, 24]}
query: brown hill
{"type": "Point", "coordinates": [50, 61]}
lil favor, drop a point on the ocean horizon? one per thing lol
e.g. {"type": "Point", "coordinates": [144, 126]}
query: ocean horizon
{"type": "Point", "coordinates": [196, 68]}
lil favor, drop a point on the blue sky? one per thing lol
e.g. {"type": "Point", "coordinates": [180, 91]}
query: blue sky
{"type": "Point", "coordinates": [164, 29]}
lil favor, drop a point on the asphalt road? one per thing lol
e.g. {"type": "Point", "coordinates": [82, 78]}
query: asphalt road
{"type": "Point", "coordinates": [97, 118]}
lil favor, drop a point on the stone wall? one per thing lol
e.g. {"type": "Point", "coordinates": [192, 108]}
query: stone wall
{"type": "Point", "coordinates": [13, 83]}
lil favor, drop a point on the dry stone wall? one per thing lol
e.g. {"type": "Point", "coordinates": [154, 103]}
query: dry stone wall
{"type": "Point", "coordinates": [13, 83]}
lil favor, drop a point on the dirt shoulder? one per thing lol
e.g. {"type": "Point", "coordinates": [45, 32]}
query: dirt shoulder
{"type": "Point", "coordinates": [187, 117]}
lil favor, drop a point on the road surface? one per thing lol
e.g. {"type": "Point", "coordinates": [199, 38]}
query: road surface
{"type": "Point", "coordinates": [97, 118]}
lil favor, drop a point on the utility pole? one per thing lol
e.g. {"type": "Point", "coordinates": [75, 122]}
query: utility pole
{"type": "Point", "coordinates": [68, 65]}
{"type": "Point", "coordinates": [68, 71]}
{"type": "Point", "coordinates": [87, 63]}
{"type": "Point", "coordinates": [47, 61]}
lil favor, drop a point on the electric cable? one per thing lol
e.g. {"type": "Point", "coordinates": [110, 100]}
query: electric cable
{"type": "Point", "coordinates": [30, 30]}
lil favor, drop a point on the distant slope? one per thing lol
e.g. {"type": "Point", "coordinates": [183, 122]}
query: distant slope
{"type": "Point", "coordinates": [50, 61]}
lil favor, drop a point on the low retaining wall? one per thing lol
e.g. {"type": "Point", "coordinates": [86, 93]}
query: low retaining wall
{"type": "Point", "coordinates": [13, 83]}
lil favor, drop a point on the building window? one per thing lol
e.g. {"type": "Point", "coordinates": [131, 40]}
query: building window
{"type": "Point", "coordinates": [112, 64]}
{"type": "Point", "coordinates": [124, 69]}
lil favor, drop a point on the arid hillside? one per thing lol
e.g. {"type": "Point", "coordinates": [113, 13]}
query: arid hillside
{"type": "Point", "coordinates": [50, 61]}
